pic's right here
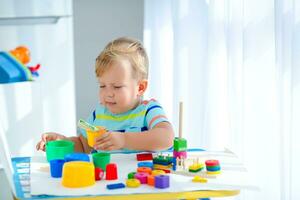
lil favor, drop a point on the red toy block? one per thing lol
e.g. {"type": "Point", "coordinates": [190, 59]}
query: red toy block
{"type": "Point", "coordinates": [111, 171]}
{"type": "Point", "coordinates": [99, 173]}
{"type": "Point", "coordinates": [144, 156]}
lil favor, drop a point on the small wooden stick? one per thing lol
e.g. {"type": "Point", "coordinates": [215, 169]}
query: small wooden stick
{"type": "Point", "coordinates": [180, 118]}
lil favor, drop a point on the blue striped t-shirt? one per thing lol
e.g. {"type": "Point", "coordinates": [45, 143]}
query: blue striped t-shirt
{"type": "Point", "coordinates": [144, 117]}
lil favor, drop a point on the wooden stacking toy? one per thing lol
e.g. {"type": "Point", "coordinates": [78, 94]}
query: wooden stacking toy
{"type": "Point", "coordinates": [180, 144]}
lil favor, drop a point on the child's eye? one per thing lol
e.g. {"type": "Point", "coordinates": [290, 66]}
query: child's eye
{"type": "Point", "coordinates": [102, 86]}
{"type": "Point", "coordinates": [117, 87]}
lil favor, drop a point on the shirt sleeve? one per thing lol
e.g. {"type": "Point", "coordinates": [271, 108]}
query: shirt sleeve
{"type": "Point", "coordinates": [90, 120]}
{"type": "Point", "coordinates": [154, 114]}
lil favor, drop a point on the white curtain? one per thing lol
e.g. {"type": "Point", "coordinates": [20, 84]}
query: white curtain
{"type": "Point", "coordinates": [235, 64]}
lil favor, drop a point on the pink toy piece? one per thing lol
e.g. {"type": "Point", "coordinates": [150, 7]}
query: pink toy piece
{"type": "Point", "coordinates": [179, 154]}
{"type": "Point", "coordinates": [111, 171]}
{"type": "Point", "coordinates": [99, 173]}
{"type": "Point", "coordinates": [142, 177]}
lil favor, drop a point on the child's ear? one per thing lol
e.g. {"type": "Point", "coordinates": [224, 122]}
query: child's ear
{"type": "Point", "coordinates": [142, 86]}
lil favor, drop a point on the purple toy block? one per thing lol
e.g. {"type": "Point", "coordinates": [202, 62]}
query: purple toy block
{"type": "Point", "coordinates": [179, 154]}
{"type": "Point", "coordinates": [162, 181]}
{"type": "Point", "coordinates": [142, 177]}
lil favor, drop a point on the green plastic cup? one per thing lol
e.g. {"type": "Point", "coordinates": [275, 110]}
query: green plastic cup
{"type": "Point", "coordinates": [57, 149]}
{"type": "Point", "coordinates": [101, 159]}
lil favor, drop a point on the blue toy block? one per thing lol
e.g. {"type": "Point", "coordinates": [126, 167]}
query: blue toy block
{"type": "Point", "coordinates": [77, 157]}
{"type": "Point", "coordinates": [115, 186]}
{"type": "Point", "coordinates": [145, 164]}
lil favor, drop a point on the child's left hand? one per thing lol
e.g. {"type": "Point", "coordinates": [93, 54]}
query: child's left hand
{"type": "Point", "coordinates": [110, 141]}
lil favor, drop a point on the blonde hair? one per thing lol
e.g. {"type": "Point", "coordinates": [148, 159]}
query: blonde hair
{"type": "Point", "coordinates": [124, 48]}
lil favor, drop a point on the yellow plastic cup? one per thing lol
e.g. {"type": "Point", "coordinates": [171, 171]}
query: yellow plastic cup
{"type": "Point", "coordinates": [92, 135]}
{"type": "Point", "coordinates": [78, 174]}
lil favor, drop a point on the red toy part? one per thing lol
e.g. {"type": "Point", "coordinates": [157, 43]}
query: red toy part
{"type": "Point", "coordinates": [144, 156]}
{"type": "Point", "coordinates": [99, 173]}
{"type": "Point", "coordinates": [34, 68]}
{"type": "Point", "coordinates": [212, 162]}
{"type": "Point", "coordinates": [111, 171]}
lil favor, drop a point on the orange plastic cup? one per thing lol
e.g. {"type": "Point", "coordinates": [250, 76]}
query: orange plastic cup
{"type": "Point", "coordinates": [92, 135]}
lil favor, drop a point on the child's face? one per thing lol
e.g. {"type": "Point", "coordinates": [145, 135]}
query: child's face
{"type": "Point", "coordinates": [119, 91]}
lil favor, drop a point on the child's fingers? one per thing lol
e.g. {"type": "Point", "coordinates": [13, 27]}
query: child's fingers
{"type": "Point", "coordinates": [103, 145]}
{"type": "Point", "coordinates": [103, 138]}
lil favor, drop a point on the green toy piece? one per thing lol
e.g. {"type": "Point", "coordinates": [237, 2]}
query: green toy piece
{"type": "Point", "coordinates": [180, 144]}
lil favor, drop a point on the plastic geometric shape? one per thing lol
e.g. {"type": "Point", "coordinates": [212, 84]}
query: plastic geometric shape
{"type": "Point", "coordinates": [163, 160]}
{"type": "Point", "coordinates": [131, 175]}
{"type": "Point", "coordinates": [78, 174]}
{"type": "Point", "coordinates": [180, 144]}
{"type": "Point", "coordinates": [133, 183]}
{"type": "Point", "coordinates": [99, 173]}
{"type": "Point", "coordinates": [162, 181]}
{"type": "Point", "coordinates": [150, 180]}
{"type": "Point", "coordinates": [101, 159]}
{"type": "Point", "coordinates": [92, 135]}
{"type": "Point", "coordinates": [115, 186]}
{"type": "Point", "coordinates": [56, 167]}
{"type": "Point", "coordinates": [144, 156]}
{"type": "Point", "coordinates": [57, 149]}
{"type": "Point", "coordinates": [144, 169]}
{"type": "Point", "coordinates": [142, 177]}
{"type": "Point", "coordinates": [111, 172]}
{"type": "Point", "coordinates": [199, 179]}
{"type": "Point", "coordinates": [157, 172]}
{"type": "Point", "coordinates": [212, 162]}
{"type": "Point", "coordinates": [146, 164]}
{"type": "Point", "coordinates": [77, 157]}
{"type": "Point", "coordinates": [179, 154]}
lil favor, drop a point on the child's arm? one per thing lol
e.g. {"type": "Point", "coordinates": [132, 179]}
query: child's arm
{"type": "Point", "coordinates": [80, 142]}
{"type": "Point", "coordinates": [158, 138]}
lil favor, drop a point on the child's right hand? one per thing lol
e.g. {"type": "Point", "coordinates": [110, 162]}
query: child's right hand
{"type": "Point", "coordinates": [41, 145]}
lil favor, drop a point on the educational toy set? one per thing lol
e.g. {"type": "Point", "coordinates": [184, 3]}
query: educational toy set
{"type": "Point", "coordinates": [76, 169]}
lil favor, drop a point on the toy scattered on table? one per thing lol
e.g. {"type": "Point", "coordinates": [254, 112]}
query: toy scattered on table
{"type": "Point", "coordinates": [99, 174]}
{"type": "Point", "coordinates": [144, 156]}
{"type": "Point", "coordinates": [199, 179]}
{"type": "Point", "coordinates": [115, 186]}
{"type": "Point", "coordinates": [162, 181]}
{"type": "Point", "coordinates": [131, 175]}
{"type": "Point", "coordinates": [92, 131]}
{"type": "Point", "coordinates": [56, 167]}
{"type": "Point", "coordinates": [146, 164]}
{"type": "Point", "coordinates": [78, 174]}
{"type": "Point", "coordinates": [213, 167]}
{"type": "Point", "coordinates": [142, 177]}
{"type": "Point", "coordinates": [12, 66]}
{"type": "Point", "coordinates": [101, 159]}
{"type": "Point", "coordinates": [77, 157]}
{"type": "Point", "coordinates": [144, 169]}
{"type": "Point", "coordinates": [133, 183]}
{"type": "Point", "coordinates": [111, 172]}
{"type": "Point", "coordinates": [58, 149]}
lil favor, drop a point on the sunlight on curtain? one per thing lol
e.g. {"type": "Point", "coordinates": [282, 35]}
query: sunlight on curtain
{"type": "Point", "coordinates": [236, 66]}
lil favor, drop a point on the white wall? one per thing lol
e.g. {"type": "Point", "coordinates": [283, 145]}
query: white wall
{"type": "Point", "coordinates": [96, 22]}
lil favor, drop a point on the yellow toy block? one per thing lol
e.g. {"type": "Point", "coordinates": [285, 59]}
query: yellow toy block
{"type": "Point", "coordinates": [133, 183]}
{"type": "Point", "coordinates": [199, 179]}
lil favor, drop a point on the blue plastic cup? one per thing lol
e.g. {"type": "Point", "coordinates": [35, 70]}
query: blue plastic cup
{"type": "Point", "coordinates": [56, 167]}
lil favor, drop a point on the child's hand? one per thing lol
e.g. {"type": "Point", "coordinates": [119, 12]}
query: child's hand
{"type": "Point", "coordinates": [48, 137]}
{"type": "Point", "coordinates": [110, 141]}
